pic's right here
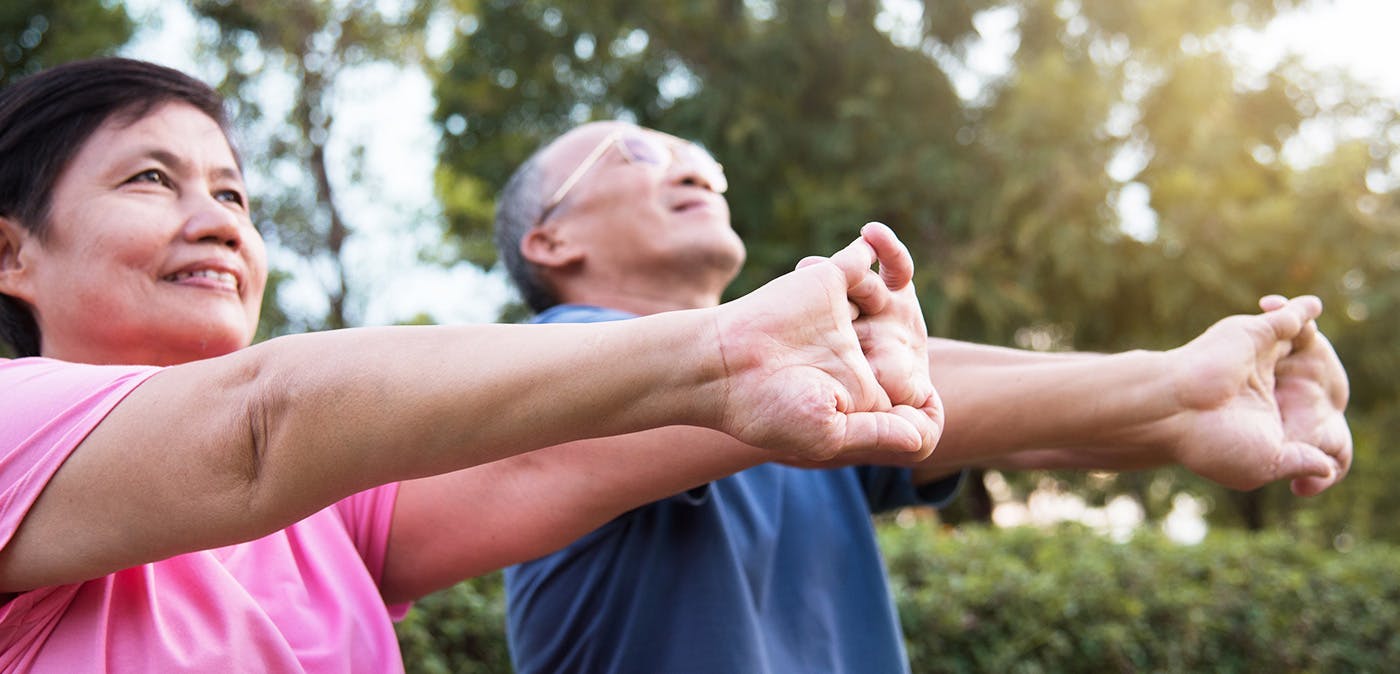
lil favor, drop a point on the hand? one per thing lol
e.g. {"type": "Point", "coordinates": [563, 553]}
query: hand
{"type": "Point", "coordinates": [894, 338]}
{"type": "Point", "coordinates": [799, 379]}
{"type": "Point", "coordinates": [1312, 390]}
{"type": "Point", "coordinates": [1264, 396]}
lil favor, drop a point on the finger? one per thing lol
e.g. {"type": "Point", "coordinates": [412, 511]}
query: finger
{"type": "Point", "coordinates": [1338, 386]}
{"type": "Point", "coordinates": [896, 265]}
{"type": "Point", "coordinates": [933, 408]}
{"type": "Point", "coordinates": [1341, 458]}
{"type": "Point", "coordinates": [1272, 302]}
{"type": "Point", "coordinates": [811, 260]}
{"type": "Point", "coordinates": [1311, 486]}
{"type": "Point", "coordinates": [869, 294]}
{"type": "Point", "coordinates": [1289, 320]}
{"type": "Point", "coordinates": [860, 386]}
{"type": "Point", "coordinates": [1336, 442]}
{"type": "Point", "coordinates": [880, 432]}
{"type": "Point", "coordinates": [1301, 460]}
{"type": "Point", "coordinates": [863, 288]}
{"type": "Point", "coordinates": [854, 260]}
{"type": "Point", "coordinates": [930, 428]}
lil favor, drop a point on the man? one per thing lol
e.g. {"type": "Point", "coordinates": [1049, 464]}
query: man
{"type": "Point", "coordinates": [775, 568]}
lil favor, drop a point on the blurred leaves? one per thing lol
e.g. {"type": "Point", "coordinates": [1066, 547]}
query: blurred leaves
{"type": "Point", "coordinates": [305, 47]}
{"type": "Point", "coordinates": [36, 34]}
{"type": "Point", "coordinates": [832, 113]}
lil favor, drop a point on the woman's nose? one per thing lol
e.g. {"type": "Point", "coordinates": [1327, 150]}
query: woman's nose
{"type": "Point", "coordinates": [213, 221]}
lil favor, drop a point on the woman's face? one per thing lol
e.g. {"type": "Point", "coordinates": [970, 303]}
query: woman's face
{"type": "Point", "coordinates": [151, 256]}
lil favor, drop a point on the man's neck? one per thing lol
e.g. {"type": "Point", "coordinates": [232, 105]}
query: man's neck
{"type": "Point", "coordinates": [644, 303]}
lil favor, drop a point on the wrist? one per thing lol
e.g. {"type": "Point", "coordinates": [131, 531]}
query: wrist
{"type": "Point", "coordinates": [1182, 395]}
{"type": "Point", "coordinates": [694, 353]}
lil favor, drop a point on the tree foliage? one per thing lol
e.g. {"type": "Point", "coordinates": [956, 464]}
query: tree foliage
{"type": "Point", "coordinates": [828, 114]}
{"type": "Point", "coordinates": [36, 34]}
{"type": "Point", "coordinates": [308, 45]}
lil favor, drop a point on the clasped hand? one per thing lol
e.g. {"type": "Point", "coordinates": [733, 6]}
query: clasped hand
{"type": "Point", "coordinates": [1264, 399]}
{"type": "Point", "coordinates": [831, 359]}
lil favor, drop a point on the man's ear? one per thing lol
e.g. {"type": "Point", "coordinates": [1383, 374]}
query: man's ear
{"type": "Point", "coordinates": [13, 238]}
{"type": "Point", "coordinates": [544, 247]}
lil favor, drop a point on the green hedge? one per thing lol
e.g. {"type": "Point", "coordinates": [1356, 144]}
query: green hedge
{"type": "Point", "coordinates": [458, 630]}
{"type": "Point", "coordinates": [1067, 600]}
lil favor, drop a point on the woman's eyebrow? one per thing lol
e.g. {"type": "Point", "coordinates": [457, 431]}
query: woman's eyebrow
{"type": "Point", "coordinates": [181, 165]}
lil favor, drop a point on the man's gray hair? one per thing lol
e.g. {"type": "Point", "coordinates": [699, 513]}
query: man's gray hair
{"type": "Point", "coordinates": [519, 209]}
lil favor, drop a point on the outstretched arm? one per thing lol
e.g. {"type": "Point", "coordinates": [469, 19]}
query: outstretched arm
{"type": "Point", "coordinates": [236, 447]}
{"type": "Point", "coordinates": [1252, 400]}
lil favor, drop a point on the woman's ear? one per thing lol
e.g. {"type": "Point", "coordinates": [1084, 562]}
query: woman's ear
{"type": "Point", "coordinates": [545, 247]}
{"type": "Point", "coordinates": [13, 238]}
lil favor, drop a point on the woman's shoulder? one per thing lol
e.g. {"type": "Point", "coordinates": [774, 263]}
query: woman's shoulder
{"type": "Point", "coordinates": [34, 379]}
{"type": "Point", "coordinates": [54, 397]}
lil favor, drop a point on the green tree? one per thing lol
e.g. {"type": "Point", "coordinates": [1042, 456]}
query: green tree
{"type": "Point", "coordinates": [828, 114]}
{"type": "Point", "coordinates": [310, 44]}
{"type": "Point", "coordinates": [36, 34]}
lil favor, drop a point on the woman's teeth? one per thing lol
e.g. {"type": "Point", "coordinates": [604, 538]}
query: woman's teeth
{"type": "Point", "coordinates": [221, 276]}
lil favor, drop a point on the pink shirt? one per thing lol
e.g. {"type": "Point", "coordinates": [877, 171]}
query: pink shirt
{"type": "Point", "coordinates": [304, 599]}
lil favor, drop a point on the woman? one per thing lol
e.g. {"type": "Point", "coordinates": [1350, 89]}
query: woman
{"type": "Point", "coordinates": [171, 500]}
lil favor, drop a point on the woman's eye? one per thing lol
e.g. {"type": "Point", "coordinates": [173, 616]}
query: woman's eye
{"type": "Point", "coordinates": [230, 196]}
{"type": "Point", "coordinates": [150, 176]}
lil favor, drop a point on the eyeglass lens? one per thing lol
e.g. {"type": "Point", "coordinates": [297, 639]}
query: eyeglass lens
{"type": "Point", "coordinates": [655, 153]}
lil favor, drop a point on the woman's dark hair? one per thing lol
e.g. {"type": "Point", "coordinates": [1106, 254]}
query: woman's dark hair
{"type": "Point", "coordinates": [47, 117]}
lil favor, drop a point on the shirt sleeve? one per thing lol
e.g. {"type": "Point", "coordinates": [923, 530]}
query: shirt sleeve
{"type": "Point", "coordinates": [888, 487]}
{"type": "Point", "coordinates": [368, 517]}
{"type": "Point", "coordinates": [50, 407]}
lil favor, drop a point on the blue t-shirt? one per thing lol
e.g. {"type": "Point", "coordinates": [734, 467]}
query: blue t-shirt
{"type": "Point", "coordinates": [773, 569]}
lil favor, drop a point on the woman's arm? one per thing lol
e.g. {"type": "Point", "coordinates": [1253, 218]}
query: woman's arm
{"type": "Point", "coordinates": [232, 448]}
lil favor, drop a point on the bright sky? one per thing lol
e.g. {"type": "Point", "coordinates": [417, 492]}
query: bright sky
{"type": "Point", "coordinates": [389, 111]}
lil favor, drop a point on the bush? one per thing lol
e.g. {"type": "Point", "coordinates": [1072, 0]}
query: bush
{"type": "Point", "coordinates": [1064, 600]}
{"type": "Point", "coordinates": [460, 630]}
{"type": "Point", "coordinates": [1068, 600]}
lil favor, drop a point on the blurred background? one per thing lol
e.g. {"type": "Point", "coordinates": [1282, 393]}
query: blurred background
{"type": "Point", "coordinates": [1069, 174]}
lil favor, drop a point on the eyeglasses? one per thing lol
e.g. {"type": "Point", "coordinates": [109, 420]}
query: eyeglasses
{"type": "Point", "coordinates": [638, 148]}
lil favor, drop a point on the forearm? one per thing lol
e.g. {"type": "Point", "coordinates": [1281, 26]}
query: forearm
{"type": "Point", "coordinates": [464, 396]}
{"type": "Point", "coordinates": [1003, 402]}
{"type": "Point", "coordinates": [469, 522]}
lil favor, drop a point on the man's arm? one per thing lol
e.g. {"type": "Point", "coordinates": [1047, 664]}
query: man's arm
{"type": "Point", "coordinates": [467, 523]}
{"type": "Point", "coordinates": [1252, 400]}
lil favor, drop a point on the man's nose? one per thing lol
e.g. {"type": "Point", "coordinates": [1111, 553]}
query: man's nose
{"type": "Point", "coordinates": [686, 171]}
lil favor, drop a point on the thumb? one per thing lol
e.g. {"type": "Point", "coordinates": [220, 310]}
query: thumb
{"type": "Point", "coordinates": [930, 426]}
{"type": "Point", "coordinates": [879, 432]}
{"type": "Point", "coordinates": [1302, 461]}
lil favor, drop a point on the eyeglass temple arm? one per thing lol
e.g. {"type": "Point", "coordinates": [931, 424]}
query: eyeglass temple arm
{"type": "Point", "coordinates": [583, 167]}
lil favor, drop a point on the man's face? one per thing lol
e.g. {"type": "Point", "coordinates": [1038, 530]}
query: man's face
{"type": "Point", "coordinates": [637, 217]}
